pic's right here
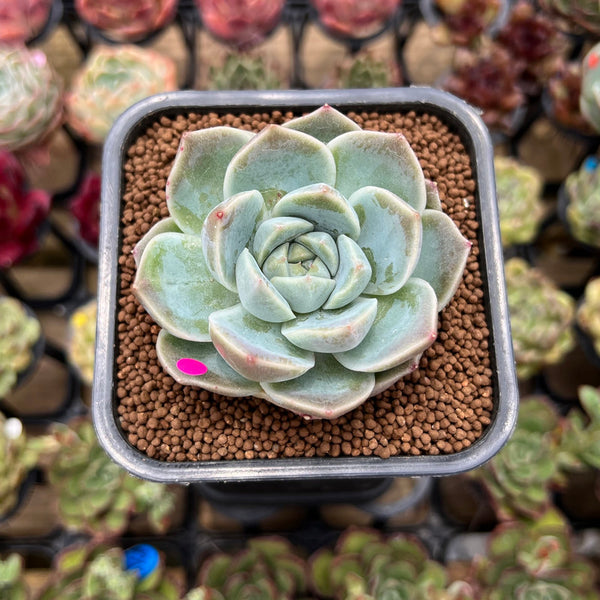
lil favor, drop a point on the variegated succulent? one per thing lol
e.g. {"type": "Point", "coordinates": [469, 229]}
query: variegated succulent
{"type": "Point", "coordinates": [82, 340]}
{"type": "Point", "coordinates": [306, 264]}
{"type": "Point", "coordinates": [30, 97]}
{"type": "Point", "coordinates": [111, 80]}
{"type": "Point", "coordinates": [583, 202]}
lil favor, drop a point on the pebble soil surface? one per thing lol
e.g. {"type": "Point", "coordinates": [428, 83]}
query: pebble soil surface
{"type": "Point", "coordinates": [441, 408]}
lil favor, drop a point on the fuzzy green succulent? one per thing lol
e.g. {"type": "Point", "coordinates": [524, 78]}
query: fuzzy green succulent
{"type": "Point", "coordinates": [541, 318]}
{"type": "Point", "coordinates": [96, 495]}
{"type": "Point", "coordinates": [94, 572]}
{"type": "Point", "coordinates": [111, 80]}
{"type": "Point", "coordinates": [12, 582]}
{"type": "Point", "coordinates": [30, 97]}
{"type": "Point", "coordinates": [82, 340]}
{"type": "Point", "coordinates": [519, 190]}
{"type": "Point", "coordinates": [365, 565]}
{"type": "Point", "coordinates": [19, 331]}
{"type": "Point", "coordinates": [365, 72]}
{"type": "Point", "coordinates": [529, 560]}
{"type": "Point", "coordinates": [588, 313]}
{"type": "Point", "coordinates": [583, 208]}
{"type": "Point", "coordinates": [243, 72]}
{"type": "Point", "coordinates": [291, 265]}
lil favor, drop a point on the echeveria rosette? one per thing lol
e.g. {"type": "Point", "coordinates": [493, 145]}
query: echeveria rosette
{"type": "Point", "coordinates": [291, 265]}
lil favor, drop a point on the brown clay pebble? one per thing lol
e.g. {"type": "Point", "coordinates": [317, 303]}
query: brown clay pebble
{"type": "Point", "coordinates": [443, 407]}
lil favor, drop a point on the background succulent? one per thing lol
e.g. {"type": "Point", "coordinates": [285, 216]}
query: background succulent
{"type": "Point", "coordinates": [541, 318]}
{"type": "Point", "coordinates": [243, 72]}
{"type": "Point", "coordinates": [94, 494]}
{"type": "Point", "coordinates": [22, 20]}
{"type": "Point", "coordinates": [85, 207]}
{"type": "Point", "coordinates": [19, 331]}
{"type": "Point", "coordinates": [30, 97]}
{"type": "Point", "coordinates": [12, 582]}
{"type": "Point", "coordinates": [579, 14]}
{"type": "Point", "coordinates": [365, 72]}
{"type": "Point", "coordinates": [588, 312]}
{"type": "Point", "coordinates": [589, 101]}
{"type": "Point", "coordinates": [127, 20]}
{"type": "Point", "coordinates": [464, 21]}
{"type": "Point", "coordinates": [583, 197]}
{"type": "Point", "coordinates": [110, 81]}
{"type": "Point", "coordinates": [82, 339]}
{"type": "Point", "coordinates": [274, 276]}
{"type": "Point", "coordinates": [518, 190]}
{"type": "Point", "coordinates": [22, 211]}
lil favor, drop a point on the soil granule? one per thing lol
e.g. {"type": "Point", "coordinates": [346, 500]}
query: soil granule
{"type": "Point", "coordinates": [441, 408]}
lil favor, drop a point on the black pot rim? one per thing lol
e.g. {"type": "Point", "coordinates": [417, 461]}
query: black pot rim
{"type": "Point", "coordinates": [475, 137]}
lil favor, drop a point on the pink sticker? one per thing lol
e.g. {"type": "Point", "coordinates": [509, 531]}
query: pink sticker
{"type": "Point", "coordinates": [593, 61]}
{"type": "Point", "coordinates": [191, 366]}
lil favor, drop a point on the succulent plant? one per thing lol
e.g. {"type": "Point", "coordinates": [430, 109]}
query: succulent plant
{"type": "Point", "coordinates": [127, 20]}
{"type": "Point", "coordinates": [464, 21]}
{"type": "Point", "coordinates": [96, 495]}
{"type": "Point", "coordinates": [588, 312]}
{"type": "Point", "coordinates": [355, 18]}
{"type": "Point", "coordinates": [268, 569]}
{"type": "Point", "coordinates": [240, 23]}
{"type": "Point", "coordinates": [19, 331]}
{"type": "Point", "coordinates": [589, 100]}
{"type": "Point", "coordinates": [527, 560]}
{"type": "Point", "coordinates": [275, 275]}
{"type": "Point", "coordinates": [488, 79]}
{"type": "Point", "coordinates": [22, 20]}
{"type": "Point", "coordinates": [30, 98]}
{"type": "Point", "coordinates": [366, 72]}
{"type": "Point", "coordinates": [365, 565]}
{"type": "Point", "coordinates": [519, 190]}
{"type": "Point", "coordinates": [85, 207]}
{"type": "Point", "coordinates": [541, 318]}
{"type": "Point", "coordinates": [22, 211]}
{"type": "Point", "coordinates": [82, 340]}
{"type": "Point", "coordinates": [94, 572]}
{"type": "Point", "coordinates": [579, 14]}
{"type": "Point", "coordinates": [18, 455]}
{"type": "Point", "coordinates": [111, 80]}
{"type": "Point", "coordinates": [12, 582]}
{"type": "Point", "coordinates": [243, 72]}
{"type": "Point", "coordinates": [583, 208]}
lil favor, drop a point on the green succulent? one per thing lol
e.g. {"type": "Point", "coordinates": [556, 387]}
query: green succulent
{"type": "Point", "coordinates": [12, 582]}
{"type": "Point", "coordinates": [243, 72]}
{"type": "Point", "coordinates": [365, 72]}
{"type": "Point", "coordinates": [268, 569]}
{"type": "Point", "coordinates": [583, 210]}
{"type": "Point", "coordinates": [111, 80]}
{"type": "Point", "coordinates": [583, 14]}
{"type": "Point", "coordinates": [82, 339]}
{"type": "Point", "coordinates": [98, 573]}
{"type": "Point", "coordinates": [541, 318]}
{"type": "Point", "coordinates": [365, 565]}
{"type": "Point", "coordinates": [290, 267]}
{"type": "Point", "coordinates": [519, 190]}
{"type": "Point", "coordinates": [30, 97]}
{"type": "Point", "coordinates": [18, 334]}
{"type": "Point", "coordinates": [95, 494]}
{"type": "Point", "coordinates": [530, 560]}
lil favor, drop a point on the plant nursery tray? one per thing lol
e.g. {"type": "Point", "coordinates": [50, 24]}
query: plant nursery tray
{"type": "Point", "coordinates": [454, 114]}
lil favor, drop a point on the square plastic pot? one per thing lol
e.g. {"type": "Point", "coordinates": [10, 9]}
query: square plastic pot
{"type": "Point", "coordinates": [474, 135]}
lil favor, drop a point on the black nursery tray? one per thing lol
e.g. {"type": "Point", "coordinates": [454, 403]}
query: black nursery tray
{"type": "Point", "coordinates": [463, 120]}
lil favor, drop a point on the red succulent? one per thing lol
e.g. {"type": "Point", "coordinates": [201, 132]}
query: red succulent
{"type": "Point", "coordinates": [22, 20]}
{"type": "Point", "coordinates": [85, 207]}
{"type": "Point", "coordinates": [21, 212]}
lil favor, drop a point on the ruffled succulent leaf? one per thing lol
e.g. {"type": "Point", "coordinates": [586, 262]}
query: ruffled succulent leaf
{"type": "Point", "coordinates": [445, 258]}
{"type": "Point", "coordinates": [329, 331]}
{"type": "Point", "coordinates": [227, 230]}
{"type": "Point", "coordinates": [275, 232]}
{"type": "Point", "coordinates": [256, 349]}
{"type": "Point", "coordinates": [219, 377]}
{"type": "Point", "coordinates": [167, 225]}
{"type": "Point", "coordinates": [327, 391]}
{"type": "Point", "coordinates": [433, 201]}
{"type": "Point", "coordinates": [353, 275]}
{"type": "Point", "coordinates": [387, 378]}
{"type": "Point", "coordinates": [324, 247]}
{"type": "Point", "coordinates": [195, 185]}
{"type": "Point", "coordinates": [176, 287]}
{"type": "Point", "coordinates": [322, 205]}
{"type": "Point", "coordinates": [257, 294]}
{"type": "Point", "coordinates": [277, 161]}
{"type": "Point", "coordinates": [390, 237]}
{"type": "Point", "coordinates": [406, 324]}
{"type": "Point", "coordinates": [325, 124]}
{"type": "Point", "coordinates": [382, 160]}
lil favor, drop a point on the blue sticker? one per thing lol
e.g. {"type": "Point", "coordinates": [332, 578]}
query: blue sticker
{"type": "Point", "coordinates": [590, 163]}
{"type": "Point", "coordinates": [142, 558]}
